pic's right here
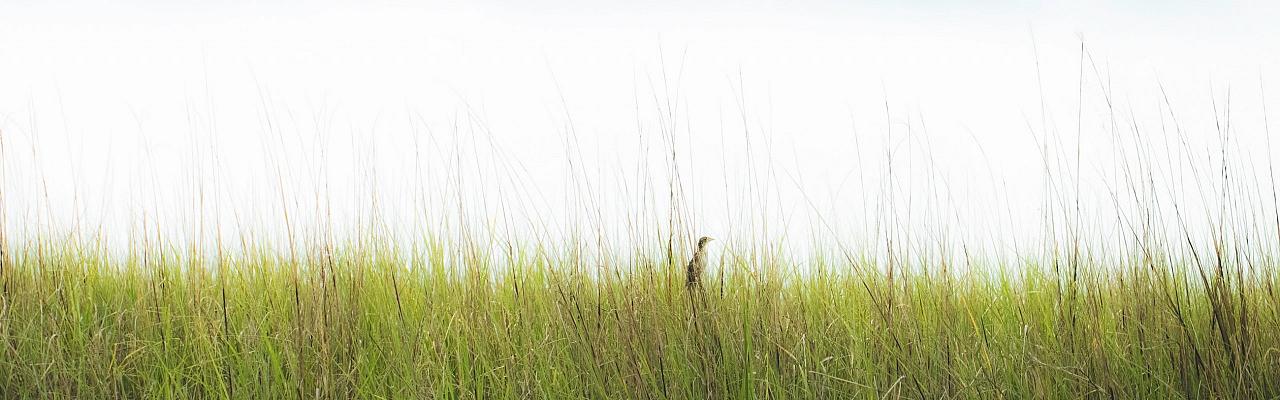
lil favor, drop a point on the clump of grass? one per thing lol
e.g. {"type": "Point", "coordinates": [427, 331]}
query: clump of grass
{"type": "Point", "coordinates": [354, 322]}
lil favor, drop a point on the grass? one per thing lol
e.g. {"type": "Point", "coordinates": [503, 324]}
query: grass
{"type": "Point", "coordinates": [362, 322]}
{"type": "Point", "coordinates": [1106, 309]}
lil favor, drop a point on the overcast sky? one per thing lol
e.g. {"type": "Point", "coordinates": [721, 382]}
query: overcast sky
{"type": "Point", "coordinates": [118, 109]}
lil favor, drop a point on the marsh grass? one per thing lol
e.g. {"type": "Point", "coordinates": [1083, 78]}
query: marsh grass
{"type": "Point", "coordinates": [355, 322]}
{"type": "Point", "coordinates": [451, 315]}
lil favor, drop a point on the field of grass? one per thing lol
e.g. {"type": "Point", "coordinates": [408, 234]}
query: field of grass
{"type": "Point", "coordinates": [1148, 305]}
{"type": "Point", "coordinates": [363, 322]}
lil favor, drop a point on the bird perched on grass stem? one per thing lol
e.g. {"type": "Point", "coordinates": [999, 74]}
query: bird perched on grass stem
{"type": "Point", "coordinates": [693, 272]}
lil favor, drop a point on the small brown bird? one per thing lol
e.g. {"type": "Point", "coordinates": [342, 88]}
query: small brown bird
{"type": "Point", "coordinates": [693, 272]}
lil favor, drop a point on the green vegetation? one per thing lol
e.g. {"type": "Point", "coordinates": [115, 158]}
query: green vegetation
{"type": "Point", "coordinates": [366, 322]}
{"type": "Point", "coordinates": [1157, 298]}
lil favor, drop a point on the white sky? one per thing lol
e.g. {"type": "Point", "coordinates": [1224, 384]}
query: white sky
{"type": "Point", "coordinates": [116, 109]}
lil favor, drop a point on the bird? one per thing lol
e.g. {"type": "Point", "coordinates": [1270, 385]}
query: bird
{"type": "Point", "coordinates": [693, 272]}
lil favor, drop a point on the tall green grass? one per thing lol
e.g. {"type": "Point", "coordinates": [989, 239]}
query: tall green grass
{"type": "Point", "coordinates": [367, 323]}
{"type": "Point", "coordinates": [1105, 309]}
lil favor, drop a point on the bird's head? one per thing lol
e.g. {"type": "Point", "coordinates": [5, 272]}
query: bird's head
{"type": "Point", "coordinates": [703, 241]}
